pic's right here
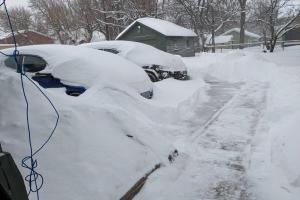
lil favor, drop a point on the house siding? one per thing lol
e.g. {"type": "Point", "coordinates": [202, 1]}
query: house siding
{"type": "Point", "coordinates": [184, 46]}
{"type": "Point", "coordinates": [293, 34]}
{"type": "Point", "coordinates": [143, 34]}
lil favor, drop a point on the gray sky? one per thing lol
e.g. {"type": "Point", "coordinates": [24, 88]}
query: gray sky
{"type": "Point", "coordinates": [12, 3]}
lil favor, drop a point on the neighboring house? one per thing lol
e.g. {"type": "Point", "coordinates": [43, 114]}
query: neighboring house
{"type": "Point", "coordinates": [235, 33]}
{"type": "Point", "coordinates": [26, 37]}
{"type": "Point", "coordinates": [221, 40]}
{"type": "Point", "coordinates": [163, 35]}
{"type": "Point", "coordinates": [293, 32]}
{"type": "Point", "coordinates": [231, 39]}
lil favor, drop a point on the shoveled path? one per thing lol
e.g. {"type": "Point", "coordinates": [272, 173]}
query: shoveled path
{"type": "Point", "coordinates": [215, 146]}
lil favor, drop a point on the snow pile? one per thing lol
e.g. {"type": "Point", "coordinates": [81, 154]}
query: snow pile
{"type": "Point", "coordinates": [234, 66]}
{"type": "Point", "coordinates": [276, 159]}
{"type": "Point", "coordinates": [173, 93]}
{"type": "Point", "coordinates": [104, 142]}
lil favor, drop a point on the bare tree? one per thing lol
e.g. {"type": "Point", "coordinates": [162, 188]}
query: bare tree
{"type": "Point", "coordinates": [21, 19]}
{"type": "Point", "coordinates": [57, 15]}
{"type": "Point", "coordinates": [242, 4]}
{"type": "Point", "coordinates": [275, 19]}
{"type": "Point", "coordinates": [208, 16]}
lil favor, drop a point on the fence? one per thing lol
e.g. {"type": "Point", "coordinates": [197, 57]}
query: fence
{"type": "Point", "coordinates": [222, 47]}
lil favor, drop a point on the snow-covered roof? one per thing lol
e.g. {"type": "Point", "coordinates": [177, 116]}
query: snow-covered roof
{"type": "Point", "coordinates": [220, 39]}
{"type": "Point", "coordinates": [6, 35]}
{"type": "Point", "coordinates": [162, 26]}
{"type": "Point", "coordinates": [247, 33]}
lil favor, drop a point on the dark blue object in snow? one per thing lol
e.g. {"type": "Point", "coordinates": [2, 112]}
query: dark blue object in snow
{"type": "Point", "coordinates": [48, 81]}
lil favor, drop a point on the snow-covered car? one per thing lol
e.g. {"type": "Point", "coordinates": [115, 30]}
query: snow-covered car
{"type": "Point", "coordinates": [158, 64]}
{"type": "Point", "coordinates": [78, 69]}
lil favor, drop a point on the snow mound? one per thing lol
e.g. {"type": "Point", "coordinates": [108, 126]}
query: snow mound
{"type": "Point", "coordinates": [172, 92]}
{"type": "Point", "coordinates": [103, 144]}
{"type": "Point", "coordinates": [235, 66]}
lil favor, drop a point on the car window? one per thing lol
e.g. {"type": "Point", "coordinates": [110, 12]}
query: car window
{"type": "Point", "coordinates": [11, 63]}
{"type": "Point", "coordinates": [114, 51]}
{"type": "Point", "coordinates": [31, 63]}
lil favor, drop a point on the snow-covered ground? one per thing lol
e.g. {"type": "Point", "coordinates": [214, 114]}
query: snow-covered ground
{"type": "Point", "coordinates": [235, 125]}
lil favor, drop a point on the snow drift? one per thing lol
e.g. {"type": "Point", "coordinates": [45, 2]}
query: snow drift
{"type": "Point", "coordinates": [91, 154]}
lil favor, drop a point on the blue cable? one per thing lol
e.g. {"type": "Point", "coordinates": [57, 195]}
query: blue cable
{"type": "Point", "coordinates": [35, 180]}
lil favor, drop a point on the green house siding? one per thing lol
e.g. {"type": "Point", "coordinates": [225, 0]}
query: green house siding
{"type": "Point", "coordinates": [143, 34]}
{"type": "Point", "coordinates": [293, 34]}
{"type": "Point", "coordinates": [183, 46]}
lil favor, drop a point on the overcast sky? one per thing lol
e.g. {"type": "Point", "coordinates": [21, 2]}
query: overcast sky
{"type": "Point", "coordinates": [12, 3]}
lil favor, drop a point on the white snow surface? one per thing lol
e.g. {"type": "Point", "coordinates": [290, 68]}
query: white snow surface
{"type": "Point", "coordinates": [141, 54]}
{"type": "Point", "coordinates": [235, 125]}
{"type": "Point", "coordinates": [98, 36]}
{"type": "Point", "coordinates": [162, 26]}
{"type": "Point", "coordinates": [220, 39]}
{"type": "Point", "coordinates": [87, 67]}
{"type": "Point", "coordinates": [248, 33]}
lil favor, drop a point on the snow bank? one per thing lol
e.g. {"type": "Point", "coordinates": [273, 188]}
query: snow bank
{"type": "Point", "coordinates": [172, 92]}
{"type": "Point", "coordinates": [274, 170]}
{"type": "Point", "coordinates": [275, 159]}
{"type": "Point", "coordinates": [234, 66]}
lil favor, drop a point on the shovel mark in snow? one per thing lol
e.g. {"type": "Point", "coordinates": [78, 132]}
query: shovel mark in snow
{"type": "Point", "coordinates": [227, 139]}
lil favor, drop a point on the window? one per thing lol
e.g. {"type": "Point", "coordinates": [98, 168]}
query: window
{"type": "Point", "coordinates": [188, 43]}
{"type": "Point", "coordinates": [139, 29]}
{"type": "Point", "coordinates": [11, 63]}
{"type": "Point", "coordinates": [31, 63]}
